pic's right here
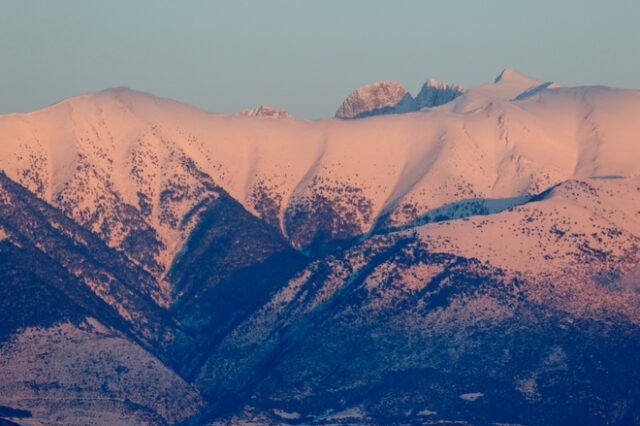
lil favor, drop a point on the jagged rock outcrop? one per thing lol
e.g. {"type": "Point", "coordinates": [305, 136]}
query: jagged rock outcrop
{"type": "Point", "coordinates": [382, 97]}
{"type": "Point", "coordinates": [390, 97]}
{"type": "Point", "coordinates": [264, 111]}
{"type": "Point", "coordinates": [435, 93]}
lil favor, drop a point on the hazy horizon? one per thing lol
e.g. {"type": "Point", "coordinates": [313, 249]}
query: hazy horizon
{"type": "Point", "coordinates": [299, 57]}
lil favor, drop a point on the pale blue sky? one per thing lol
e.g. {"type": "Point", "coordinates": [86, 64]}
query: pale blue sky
{"type": "Point", "coordinates": [303, 56]}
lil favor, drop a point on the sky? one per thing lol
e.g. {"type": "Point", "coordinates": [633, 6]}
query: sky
{"type": "Point", "coordinates": [304, 56]}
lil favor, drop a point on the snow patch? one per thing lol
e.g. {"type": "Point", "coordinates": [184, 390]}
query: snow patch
{"type": "Point", "coordinates": [472, 396]}
{"type": "Point", "coordinates": [286, 414]}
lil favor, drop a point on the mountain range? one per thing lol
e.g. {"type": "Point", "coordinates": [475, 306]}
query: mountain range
{"type": "Point", "coordinates": [464, 256]}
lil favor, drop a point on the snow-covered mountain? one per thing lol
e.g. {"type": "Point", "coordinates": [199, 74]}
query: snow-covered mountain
{"type": "Point", "coordinates": [428, 262]}
{"type": "Point", "coordinates": [131, 166]}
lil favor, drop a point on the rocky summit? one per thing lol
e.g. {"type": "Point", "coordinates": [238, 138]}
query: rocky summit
{"type": "Point", "coordinates": [389, 97]}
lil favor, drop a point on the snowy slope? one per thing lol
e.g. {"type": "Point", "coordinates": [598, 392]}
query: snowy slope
{"type": "Point", "coordinates": [578, 247]}
{"type": "Point", "coordinates": [131, 166]}
{"type": "Point", "coordinates": [578, 219]}
{"type": "Point", "coordinates": [64, 375]}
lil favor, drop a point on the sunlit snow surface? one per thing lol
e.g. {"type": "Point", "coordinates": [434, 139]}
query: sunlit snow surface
{"type": "Point", "coordinates": [432, 240]}
{"type": "Point", "coordinates": [123, 162]}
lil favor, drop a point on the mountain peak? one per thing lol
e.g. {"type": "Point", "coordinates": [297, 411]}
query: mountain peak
{"type": "Point", "coordinates": [435, 93]}
{"type": "Point", "coordinates": [509, 75]}
{"type": "Point", "coordinates": [381, 97]}
{"type": "Point", "coordinates": [118, 89]}
{"type": "Point", "coordinates": [264, 111]}
{"type": "Point", "coordinates": [124, 91]}
{"type": "Point", "coordinates": [441, 85]}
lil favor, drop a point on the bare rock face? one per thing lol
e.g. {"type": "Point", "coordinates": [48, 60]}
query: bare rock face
{"type": "Point", "coordinates": [379, 98]}
{"type": "Point", "coordinates": [390, 97]}
{"type": "Point", "coordinates": [435, 93]}
{"type": "Point", "coordinates": [265, 111]}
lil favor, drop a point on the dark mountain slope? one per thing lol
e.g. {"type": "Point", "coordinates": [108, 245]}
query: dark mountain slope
{"type": "Point", "coordinates": [91, 271]}
{"type": "Point", "coordinates": [77, 337]}
{"type": "Point", "coordinates": [30, 292]}
{"type": "Point", "coordinates": [230, 266]}
{"type": "Point", "coordinates": [391, 333]}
